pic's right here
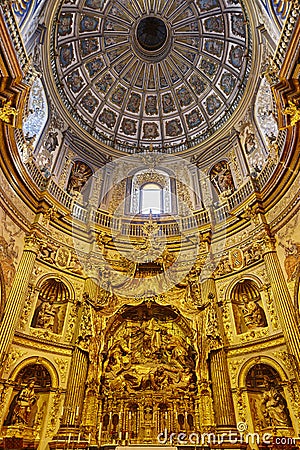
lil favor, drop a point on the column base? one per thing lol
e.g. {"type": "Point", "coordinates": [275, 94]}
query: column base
{"type": "Point", "coordinates": [63, 442]}
{"type": "Point", "coordinates": [19, 437]}
{"type": "Point", "coordinates": [70, 438]}
{"type": "Point", "coordinates": [16, 443]}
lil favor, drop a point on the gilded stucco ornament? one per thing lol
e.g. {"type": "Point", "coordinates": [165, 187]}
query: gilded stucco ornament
{"type": "Point", "coordinates": [4, 389]}
{"type": "Point", "coordinates": [49, 215]}
{"type": "Point", "coordinates": [293, 111]}
{"type": "Point", "coordinates": [266, 243]}
{"type": "Point", "coordinates": [23, 322]}
{"type": "Point", "coordinates": [63, 365]}
{"type": "Point", "coordinates": [85, 329]}
{"type": "Point", "coordinates": [272, 311]}
{"type": "Point", "coordinates": [33, 242]}
{"type": "Point", "coordinates": [7, 111]}
{"type": "Point", "coordinates": [241, 404]}
{"type": "Point", "coordinates": [54, 413]}
{"type": "Point", "coordinates": [12, 358]}
{"type": "Point", "coordinates": [272, 72]}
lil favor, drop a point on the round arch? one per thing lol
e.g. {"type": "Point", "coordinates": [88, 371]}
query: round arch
{"type": "Point", "coordinates": [38, 360]}
{"type": "Point", "coordinates": [116, 320]}
{"type": "Point", "coordinates": [63, 279]}
{"type": "Point", "coordinates": [242, 375]}
{"type": "Point", "coordinates": [145, 168]}
{"type": "Point", "coordinates": [240, 279]}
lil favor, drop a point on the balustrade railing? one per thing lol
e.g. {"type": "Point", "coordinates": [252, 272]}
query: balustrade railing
{"type": "Point", "coordinates": [60, 195]}
{"type": "Point", "coordinates": [133, 226]}
{"type": "Point", "coordinates": [240, 195]}
{"type": "Point", "coordinates": [35, 174]}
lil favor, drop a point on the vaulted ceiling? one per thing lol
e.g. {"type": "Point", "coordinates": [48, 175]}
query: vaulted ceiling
{"type": "Point", "coordinates": [149, 71]}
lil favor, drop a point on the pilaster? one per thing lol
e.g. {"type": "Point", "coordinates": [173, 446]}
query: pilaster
{"type": "Point", "coordinates": [17, 294]}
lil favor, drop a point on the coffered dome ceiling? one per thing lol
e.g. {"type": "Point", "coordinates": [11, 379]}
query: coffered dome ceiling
{"type": "Point", "coordinates": [141, 71]}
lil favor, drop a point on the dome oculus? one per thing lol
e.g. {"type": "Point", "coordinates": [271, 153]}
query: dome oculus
{"type": "Point", "coordinates": [151, 33]}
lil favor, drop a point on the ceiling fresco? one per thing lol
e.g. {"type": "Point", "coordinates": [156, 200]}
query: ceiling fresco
{"type": "Point", "coordinates": [142, 71]}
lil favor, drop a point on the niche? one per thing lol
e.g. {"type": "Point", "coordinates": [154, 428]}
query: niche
{"type": "Point", "coordinates": [80, 174]}
{"type": "Point", "coordinates": [266, 398]}
{"type": "Point", "coordinates": [51, 306]}
{"type": "Point", "coordinates": [30, 397]}
{"type": "Point", "coordinates": [247, 306]}
{"type": "Point", "coordinates": [221, 178]}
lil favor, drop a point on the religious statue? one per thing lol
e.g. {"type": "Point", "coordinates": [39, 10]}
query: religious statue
{"type": "Point", "coordinates": [253, 313]}
{"type": "Point", "coordinates": [51, 142]}
{"type": "Point", "coordinates": [94, 358]}
{"type": "Point", "coordinates": [23, 407]}
{"type": "Point", "coordinates": [150, 247]}
{"type": "Point", "coordinates": [292, 258]}
{"type": "Point", "coordinates": [221, 178]}
{"type": "Point", "coordinates": [274, 407]}
{"type": "Point", "coordinates": [176, 351]}
{"type": "Point", "coordinates": [117, 358]}
{"type": "Point", "coordinates": [46, 315]}
{"type": "Point", "coordinates": [80, 174]}
{"type": "Point", "coordinates": [250, 144]}
{"type": "Point", "coordinates": [105, 295]}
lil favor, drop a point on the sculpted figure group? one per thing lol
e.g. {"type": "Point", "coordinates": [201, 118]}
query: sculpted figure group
{"type": "Point", "coordinates": [151, 357]}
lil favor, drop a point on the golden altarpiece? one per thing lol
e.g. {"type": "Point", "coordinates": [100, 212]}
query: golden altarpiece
{"type": "Point", "coordinates": [128, 322]}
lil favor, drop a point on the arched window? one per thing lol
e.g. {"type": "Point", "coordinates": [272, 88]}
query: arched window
{"type": "Point", "coordinates": [151, 191]}
{"type": "Point", "coordinates": [151, 199]}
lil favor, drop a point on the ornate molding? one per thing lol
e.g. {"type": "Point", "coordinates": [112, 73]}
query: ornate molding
{"type": "Point", "coordinates": [7, 111]}
{"type": "Point", "coordinates": [293, 111]}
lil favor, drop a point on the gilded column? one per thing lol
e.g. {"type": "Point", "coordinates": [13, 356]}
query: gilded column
{"type": "Point", "coordinates": [17, 295]}
{"type": "Point", "coordinates": [282, 301]}
{"type": "Point", "coordinates": [220, 381]}
{"type": "Point", "coordinates": [75, 389]}
{"type": "Point", "coordinates": [92, 407]}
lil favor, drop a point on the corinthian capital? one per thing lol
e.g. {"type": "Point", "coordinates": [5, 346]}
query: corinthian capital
{"type": "Point", "coordinates": [32, 242]}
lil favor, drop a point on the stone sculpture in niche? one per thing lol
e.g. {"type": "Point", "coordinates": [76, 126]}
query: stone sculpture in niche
{"type": "Point", "coordinates": [253, 313]}
{"type": "Point", "coordinates": [250, 144]}
{"type": "Point", "coordinates": [29, 397]}
{"type": "Point", "coordinates": [80, 174]}
{"type": "Point", "coordinates": [270, 410]}
{"type": "Point", "coordinates": [247, 310]}
{"type": "Point", "coordinates": [51, 306]}
{"type": "Point", "coordinates": [221, 178]}
{"type": "Point", "coordinates": [51, 142]}
{"type": "Point", "coordinates": [23, 407]}
{"type": "Point", "coordinates": [46, 315]}
{"type": "Point", "coordinates": [274, 407]}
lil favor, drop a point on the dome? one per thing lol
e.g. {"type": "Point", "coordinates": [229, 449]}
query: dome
{"type": "Point", "coordinates": [138, 72]}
